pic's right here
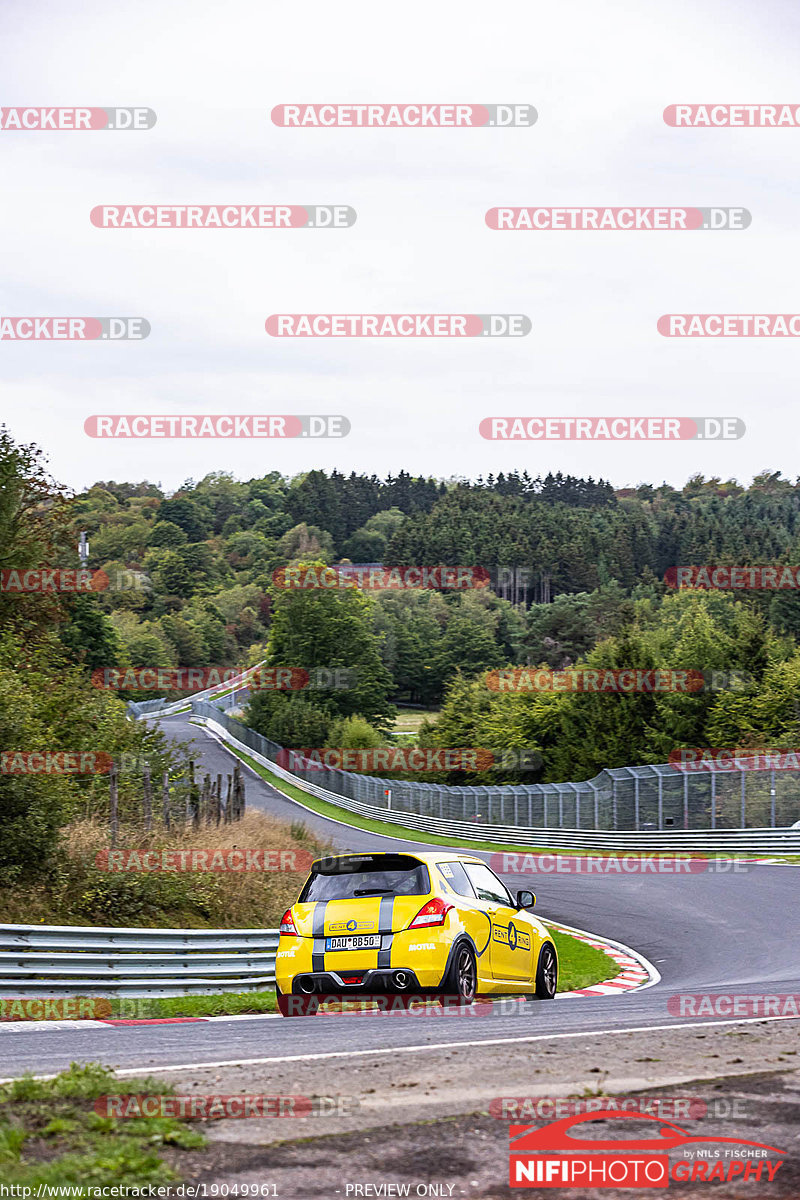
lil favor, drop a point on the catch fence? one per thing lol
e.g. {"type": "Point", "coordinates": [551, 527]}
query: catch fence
{"type": "Point", "coordinates": [657, 798]}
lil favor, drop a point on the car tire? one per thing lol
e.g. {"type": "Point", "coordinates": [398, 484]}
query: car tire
{"type": "Point", "coordinates": [461, 981]}
{"type": "Point", "coordinates": [296, 1006]}
{"type": "Point", "coordinates": [547, 972]}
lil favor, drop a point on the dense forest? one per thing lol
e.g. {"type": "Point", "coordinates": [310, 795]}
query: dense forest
{"type": "Point", "coordinates": [576, 572]}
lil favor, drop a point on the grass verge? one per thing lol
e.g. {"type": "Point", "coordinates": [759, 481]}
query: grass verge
{"type": "Point", "coordinates": [51, 1134]}
{"type": "Point", "coordinates": [579, 965]}
{"type": "Point", "coordinates": [409, 720]}
{"type": "Point", "coordinates": [225, 1004]}
{"type": "Point", "coordinates": [78, 891]}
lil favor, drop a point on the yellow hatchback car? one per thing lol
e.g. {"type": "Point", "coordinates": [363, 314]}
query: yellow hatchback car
{"type": "Point", "coordinates": [411, 924]}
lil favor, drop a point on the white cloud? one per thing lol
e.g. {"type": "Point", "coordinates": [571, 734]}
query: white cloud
{"type": "Point", "coordinates": [599, 75]}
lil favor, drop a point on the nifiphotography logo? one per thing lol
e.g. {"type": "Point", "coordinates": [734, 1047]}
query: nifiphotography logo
{"type": "Point", "coordinates": [554, 1157]}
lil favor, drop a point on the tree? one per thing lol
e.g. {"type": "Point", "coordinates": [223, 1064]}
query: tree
{"type": "Point", "coordinates": [88, 634]}
{"type": "Point", "coordinates": [32, 531]}
{"type": "Point", "coordinates": [188, 641]}
{"type": "Point", "coordinates": [329, 627]}
{"type": "Point", "coordinates": [187, 514]}
{"type": "Point", "coordinates": [365, 545]}
{"type": "Point", "coordinates": [353, 733]}
{"type": "Point", "coordinates": [467, 646]}
{"type": "Point", "coordinates": [167, 534]}
{"type": "Point", "coordinates": [293, 721]}
{"type": "Point", "coordinates": [303, 541]}
{"type": "Point", "coordinates": [172, 575]}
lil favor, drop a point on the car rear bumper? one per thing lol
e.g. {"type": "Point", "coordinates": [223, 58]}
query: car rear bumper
{"type": "Point", "coordinates": [426, 962]}
{"type": "Point", "coordinates": [377, 981]}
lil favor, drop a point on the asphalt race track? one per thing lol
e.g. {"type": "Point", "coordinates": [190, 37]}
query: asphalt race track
{"type": "Point", "coordinates": [718, 933]}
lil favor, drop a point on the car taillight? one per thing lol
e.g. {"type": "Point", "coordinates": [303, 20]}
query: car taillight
{"type": "Point", "coordinates": [433, 913]}
{"type": "Point", "coordinates": [287, 923]}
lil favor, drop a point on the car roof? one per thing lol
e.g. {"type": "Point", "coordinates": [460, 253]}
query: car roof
{"type": "Point", "coordinates": [426, 856]}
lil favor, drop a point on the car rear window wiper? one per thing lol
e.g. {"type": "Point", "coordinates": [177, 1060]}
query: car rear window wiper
{"type": "Point", "coordinates": [373, 891]}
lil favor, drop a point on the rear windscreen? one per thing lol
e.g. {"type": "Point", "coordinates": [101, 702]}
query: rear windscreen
{"type": "Point", "coordinates": [346, 879]}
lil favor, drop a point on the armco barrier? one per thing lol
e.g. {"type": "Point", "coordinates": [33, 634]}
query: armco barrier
{"type": "Point", "coordinates": [397, 808]}
{"type": "Point", "coordinates": [58, 960]}
{"type": "Point", "coordinates": [223, 695]}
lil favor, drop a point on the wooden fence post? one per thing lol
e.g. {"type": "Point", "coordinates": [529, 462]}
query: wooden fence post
{"type": "Point", "coordinates": [165, 799]}
{"type": "Point", "coordinates": [227, 815]}
{"type": "Point", "coordinates": [238, 793]}
{"type": "Point", "coordinates": [202, 807]}
{"type": "Point", "coordinates": [193, 800]}
{"type": "Point", "coordinates": [189, 794]}
{"type": "Point", "coordinates": [113, 803]}
{"type": "Point", "coordinates": [147, 798]}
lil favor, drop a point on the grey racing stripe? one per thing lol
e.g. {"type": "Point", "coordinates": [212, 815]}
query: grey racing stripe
{"type": "Point", "coordinates": [318, 930]}
{"type": "Point", "coordinates": [385, 919]}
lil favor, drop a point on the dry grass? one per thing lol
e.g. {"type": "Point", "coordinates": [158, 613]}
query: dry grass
{"type": "Point", "coordinates": [78, 892]}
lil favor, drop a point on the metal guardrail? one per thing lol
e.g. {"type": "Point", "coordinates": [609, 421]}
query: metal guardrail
{"type": "Point", "coordinates": [57, 960]}
{"type": "Point", "coordinates": [721, 810]}
{"type": "Point", "coordinates": [165, 708]}
{"type": "Point", "coordinates": [657, 797]}
{"type": "Point", "coordinates": [719, 841]}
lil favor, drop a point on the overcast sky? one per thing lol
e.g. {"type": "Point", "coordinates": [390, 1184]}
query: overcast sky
{"type": "Point", "coordinates": [598, 74]}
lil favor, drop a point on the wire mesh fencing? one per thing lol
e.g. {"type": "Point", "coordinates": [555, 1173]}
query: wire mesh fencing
{"type": "Point", "coordinates": [730, 795]}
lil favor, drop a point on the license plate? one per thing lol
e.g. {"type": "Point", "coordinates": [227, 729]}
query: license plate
{"type": "Point", "coordinates": [358, 941]}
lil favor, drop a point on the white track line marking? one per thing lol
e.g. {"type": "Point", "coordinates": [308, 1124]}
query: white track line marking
{"type": "Point", "coordinates": [510, 1041]}
{"type": "Point", "coordinates": [49, 1026]}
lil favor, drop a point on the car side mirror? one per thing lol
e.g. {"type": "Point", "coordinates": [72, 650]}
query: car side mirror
{"type": "Point", "coordinates": [525, 899]}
